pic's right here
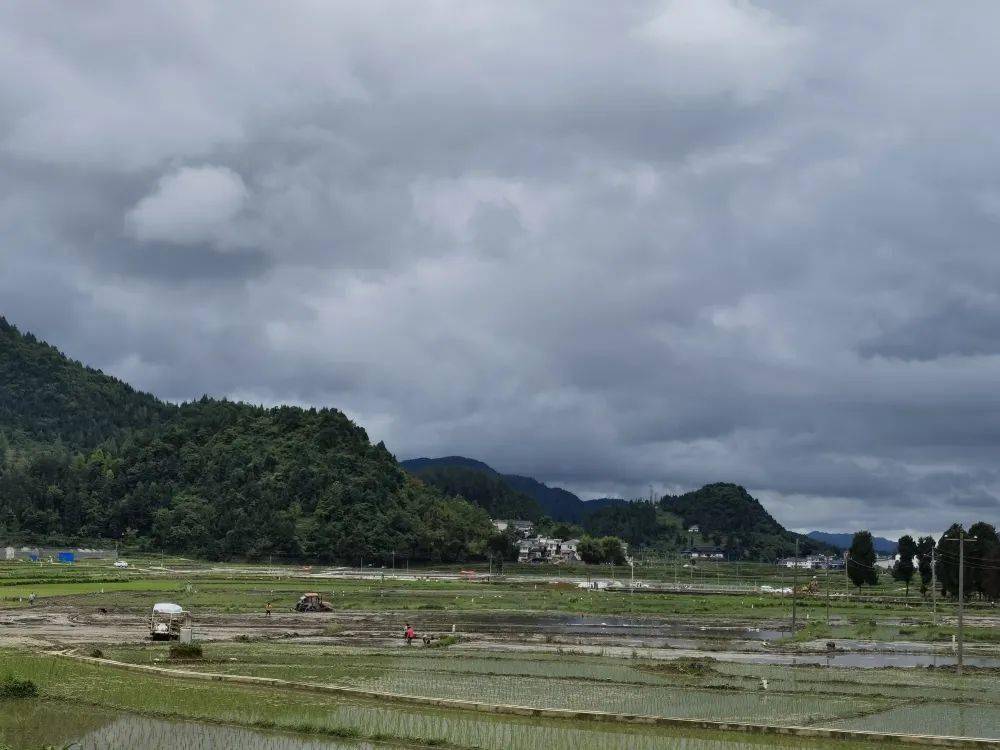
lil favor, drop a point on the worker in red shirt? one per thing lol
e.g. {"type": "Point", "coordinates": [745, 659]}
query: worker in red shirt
{"type": "Point", "coordinates": [409, 634]}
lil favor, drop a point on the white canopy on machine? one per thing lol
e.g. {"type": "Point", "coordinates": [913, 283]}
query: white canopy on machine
{"type": "Point", "coordinates": [167, 608]}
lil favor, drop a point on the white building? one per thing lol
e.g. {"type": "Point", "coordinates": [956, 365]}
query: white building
{"type": "Point", "coordinates": [548, 549]}
{"type": "Point", "coordinates": [521, 528]}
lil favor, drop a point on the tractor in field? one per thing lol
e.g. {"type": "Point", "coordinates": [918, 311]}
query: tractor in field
{"type": "Point", "coordinates": [167, 620]}
{"type": "Point", "coordinates": [312, 602]}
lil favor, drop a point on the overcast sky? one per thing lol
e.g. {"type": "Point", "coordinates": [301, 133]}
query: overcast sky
{"type": "Point", "coordinates": [604, 244]}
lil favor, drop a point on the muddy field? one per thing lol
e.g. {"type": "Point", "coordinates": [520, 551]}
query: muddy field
{"type": "Point", "coordinates": [53, 626]}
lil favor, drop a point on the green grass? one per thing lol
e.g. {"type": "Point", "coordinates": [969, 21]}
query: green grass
{"type": "Point", "coordinates": [247, 588]}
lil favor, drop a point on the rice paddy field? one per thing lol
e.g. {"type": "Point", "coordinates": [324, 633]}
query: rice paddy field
{"type": "Point", "coordinates": [718, 589]}
{"type": "Point", "coordinates": [910, 701]}
{"type": "Point", "coordinates": [66, 683]}
{"type": "Point", "coordinates": [526, 640]}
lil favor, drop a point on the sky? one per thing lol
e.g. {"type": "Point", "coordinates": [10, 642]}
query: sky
{"type": "Point", "coordinates": [608, 245]}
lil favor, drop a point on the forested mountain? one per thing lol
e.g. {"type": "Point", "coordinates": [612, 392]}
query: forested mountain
{"type": "Point", "coordinates": [416, 465]}
{"type": "Point", "coordinates": [46, 397]}
{"type": "Point", "coordinates": [94, 459]}
{"type": "Point", "coordinates": [726, 514]}
{"type": "Point", "coordinates": [554, 502]}
{"type": "Point", "coordinates": [482, 486]}
{"type": "Point", "coordinates": [843, 541]}
{"type": "Point", "coordinates": [557, 503]}
{"type": "Point", "coordinates": [733, 519]}
{"type": "Point", "coordinates": [641, 524]}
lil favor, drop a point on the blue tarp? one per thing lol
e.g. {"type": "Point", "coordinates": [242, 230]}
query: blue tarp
{"type": "Point", "coordinates": [66, 557]}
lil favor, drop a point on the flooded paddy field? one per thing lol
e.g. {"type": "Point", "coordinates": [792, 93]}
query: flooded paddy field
{"type": "Point", "coordinates": [533, 643]}
{"type": "Point", "coordinates": [86, 705]}
{"type": "Point", "coordinates": [66, 725]}
{"type": "Point", "coordinates": [701, 688]}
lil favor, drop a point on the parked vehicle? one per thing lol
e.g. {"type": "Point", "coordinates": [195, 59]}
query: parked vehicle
{"type": "Point", "coordinates": [121, 564]}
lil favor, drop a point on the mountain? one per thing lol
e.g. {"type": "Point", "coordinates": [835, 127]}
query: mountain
{"type": "Point", "coordinates": [557, 503]}
{"type": "Point", "coordinates": [416, 465]}
{"type": "Point", "coordinates": [45, 397]}
{"type": "Point", "coordinates": [456, 474]}
{"type": "Point", "coordinates": [726, 514]}
{"type": "Point", "coordinates": [83, 456]}
{"type": "Point", "coordinates": [641, 524]}
{"type": "Point", "coordinates": [477, 483]}
{"type": "Point", "coordinates": [883, 546]}
{"type": "Point", "coordinates": [731, 518]}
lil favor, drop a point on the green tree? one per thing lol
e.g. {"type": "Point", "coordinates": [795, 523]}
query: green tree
{"type": "Point", "coordinates": [991, 574]}
{"type": "Point", "coordinates": [590, 551]}
{"type": "Point", "coordinates": [925, 559]}
{"type": "Point", "coordinates": [903, 568]}
{"type": "Point", "coordinates": [979, 550]}
{"type": "Point", "coordinates": [503, 545]}
{"type": "Point", "coordinates": [947, 562]}
{"type": "Point", "coordinates": [861, 567]}
{"type": "Point", "coordinates": [567, 531]}
{"type": "Point", "coordinates": [612, 550]}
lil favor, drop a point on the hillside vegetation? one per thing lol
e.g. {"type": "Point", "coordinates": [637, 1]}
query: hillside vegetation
{"type": "Point", "coordinates": [46, 397]}
{"type": "Point", "coordinates": [734, 520]}
{"type": "Point", "coordinates": [726, 514]}
{"type": "Point", "coordinates": [481, 486]}
{"type": "Point", "coordinates": [85, 456]}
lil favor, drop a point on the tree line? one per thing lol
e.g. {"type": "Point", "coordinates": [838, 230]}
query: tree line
{"type": "Point", "coordinates": [926, 559]}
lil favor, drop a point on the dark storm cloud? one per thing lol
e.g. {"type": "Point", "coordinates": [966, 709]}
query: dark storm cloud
{"type": "Point", "coordinates": [960, 327]}
{"type": "Point", "coordinates": [606, 245]}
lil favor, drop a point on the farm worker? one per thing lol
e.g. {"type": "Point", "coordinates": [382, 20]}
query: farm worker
{"type": "Point", "coordinates": [267, 609]}
{"type": "Point", "coordinates": [31, 598]}
{"type": "Point", "coordinates": [409, 634]}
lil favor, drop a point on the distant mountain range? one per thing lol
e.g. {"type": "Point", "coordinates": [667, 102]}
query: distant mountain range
{"type": "Point", "coordinates": [883, 546]}
{"type": "Point", "coordinates": [506, 495]}
{"type": "Point", "coordinates": [727, 516]}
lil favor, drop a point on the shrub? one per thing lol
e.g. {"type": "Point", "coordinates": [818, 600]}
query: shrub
{"type": "Point", "coordinates": [448, 640]}
{"type": "Point", "coordinates": [185, 651]}
{"type": "Point", "coordinates": [12, 688]}
{"type": "Point", "coordinates": [96, 653]}
{"type": "Point", "coordinates": [685, 665]}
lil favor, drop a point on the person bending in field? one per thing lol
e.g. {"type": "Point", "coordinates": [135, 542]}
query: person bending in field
{"type": "Point", "coordinates": [409, 634]}
{"type": "Point", "coordinates": [267, 609]}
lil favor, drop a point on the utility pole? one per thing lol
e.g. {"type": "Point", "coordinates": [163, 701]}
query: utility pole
{"type": "Point", "coordinates": [795, 580]}
{"type": "Point", "coordinates": [961, 592]}
{"type": "Point", "coordinates": [847, 576]}
{"type": "Point", "coordinates": [934, 586]}
{"type": "Point", "coordinates": [827, 587]}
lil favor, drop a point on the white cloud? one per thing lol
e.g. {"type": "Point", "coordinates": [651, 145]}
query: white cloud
{"type": "Point", "coordinates": [190, 206]}
{"type": "Point", "coordinates": [724, 46]}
